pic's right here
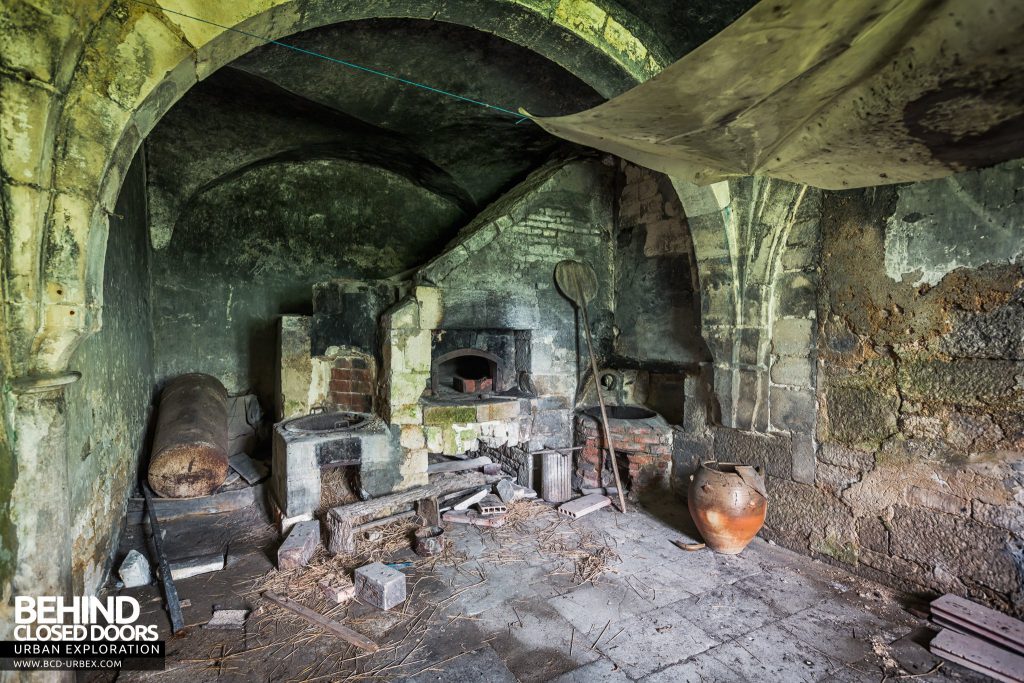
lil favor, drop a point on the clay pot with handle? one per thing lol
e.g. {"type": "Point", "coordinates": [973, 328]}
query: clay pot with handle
{"type": "Point", "coordinates": [728, 503]}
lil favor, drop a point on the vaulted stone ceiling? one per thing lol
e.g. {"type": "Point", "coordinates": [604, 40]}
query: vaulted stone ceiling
{"type": "Point", "coordinates": [285, 109]}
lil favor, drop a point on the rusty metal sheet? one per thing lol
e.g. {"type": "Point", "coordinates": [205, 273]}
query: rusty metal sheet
{"type": "Point", "coordinates": [834, 95]}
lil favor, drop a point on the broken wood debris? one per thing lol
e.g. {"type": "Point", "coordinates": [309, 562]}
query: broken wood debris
{"type": "Point", "coordinates": [459, 465]}
{"type": "Point", "coordinates": [584, 505]}
{"type": "Point", "coordinates": [473, 517]}
{"type": "Point", "coordinates": [299, 546]}
{"type": "Point", "coordinates": [336, 592]}
{"type": "Point", "coordinates": [343, 632]}
{"type": "Point", "coordinates": [687, 545]}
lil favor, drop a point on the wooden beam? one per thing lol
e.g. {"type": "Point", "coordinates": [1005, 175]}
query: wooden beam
{"type": "Point", "coordinates": [343, 632]}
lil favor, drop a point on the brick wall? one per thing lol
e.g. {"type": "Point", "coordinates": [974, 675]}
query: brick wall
{"type": "Point", "coordinates": [352, 383]}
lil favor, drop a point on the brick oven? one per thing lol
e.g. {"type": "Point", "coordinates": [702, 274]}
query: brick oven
{"type": "Point", "coordinates": [467, 371]}
{"type": "Point", "coordinates": [643, 446]}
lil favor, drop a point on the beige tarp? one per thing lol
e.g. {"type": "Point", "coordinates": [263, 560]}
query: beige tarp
{"type": "Point", "coordinates": [839, 94]}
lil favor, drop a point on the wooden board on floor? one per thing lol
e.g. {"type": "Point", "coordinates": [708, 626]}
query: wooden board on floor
{"type": "Point", "coordinates": [343, 632]}
{"type": "Point", "coordinates": [176, 508]}
{"type": "Point", "coordinates": [965, 615]}
{"type": "Point", "coordinates": [979, 655]}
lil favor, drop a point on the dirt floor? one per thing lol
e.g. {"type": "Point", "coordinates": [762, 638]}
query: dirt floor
{"type": "Point", "coordinates": [603, 598]}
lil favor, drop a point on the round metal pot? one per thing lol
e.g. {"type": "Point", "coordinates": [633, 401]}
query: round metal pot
{"type": "Point", "coordinates": [727, 510]}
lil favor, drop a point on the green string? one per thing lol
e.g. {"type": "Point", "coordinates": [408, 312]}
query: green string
{"type": "Point", "coordinates": [351, 65]}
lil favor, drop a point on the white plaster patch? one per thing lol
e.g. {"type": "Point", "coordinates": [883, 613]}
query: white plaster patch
{"type": "Point", "coordinates": [965, 221]}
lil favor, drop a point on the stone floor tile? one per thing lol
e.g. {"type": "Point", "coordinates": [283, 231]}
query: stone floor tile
{"type": "Point", "coordinates": [727, 612]}
{"type": "Point", "coordinates": [599, 671]}
{"type": "Point", "coordinates": [647, 642]}
{"type": "Point", "coordinates": [482, 665]}
{"type": "Point", "coordinates": [785, 590]}
{"type": "Point", "coordinates": [590, 607]}
{"type": "Point", "coordinates": [702, 668]}
{"type": "Point", "coordinates": [773, 654]}
{"type": "Point", "coordinates": [844, 631]}
{"type": "Point", "coordinates": [534, 640]}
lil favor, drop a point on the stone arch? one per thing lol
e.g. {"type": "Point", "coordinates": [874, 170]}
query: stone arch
{"type": "Point", "coordinates": [756, 241]}
{"type": "Point", "coordinates": [139, 60]}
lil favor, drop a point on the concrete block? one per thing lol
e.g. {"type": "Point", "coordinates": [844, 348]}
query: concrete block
{"type": "Point", "coordinates": [228, 619]}
{"type": "Point", "coordinates": [300, 545]}
{"type": "Point", "coordinates": [135, 570]}
{"type": "Point", "coordinates": [584, 505]}
{"type": "Point", "coordinates": [379, 585]}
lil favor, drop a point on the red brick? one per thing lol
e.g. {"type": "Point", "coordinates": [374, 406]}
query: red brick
{"type": "Point", "coordinates": [361, 376]}
{"type": "Point", "coordinates": [341, 385]}
{"type": "Point", "coordinates": [342, 363]}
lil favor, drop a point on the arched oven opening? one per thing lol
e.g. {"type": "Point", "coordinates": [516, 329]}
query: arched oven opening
{"type": "Point", "coordinates": [466, 371]}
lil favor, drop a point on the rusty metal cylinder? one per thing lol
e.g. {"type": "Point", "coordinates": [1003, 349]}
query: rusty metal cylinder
{"type": "Point", "coordinates": [190, 447]}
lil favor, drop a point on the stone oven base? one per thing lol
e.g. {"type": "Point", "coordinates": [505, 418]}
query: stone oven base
{"type": "Point", "coordinates": [643, 448]}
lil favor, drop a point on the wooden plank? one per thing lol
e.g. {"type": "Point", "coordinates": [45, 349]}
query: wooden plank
{"type": "Point", "coordinates": [343, 632]}
{"type": "Point", "coordinates": [459, 465]}
{"type": "Point", "coordinates": [342, 521]}
{"type": "Point", "coordinates": [963, 626]}
{"type": "Point", "coordinates": [979, 655]}
{"type": "Point", "coordinates": [253, 471]}
{"type": "Point", "coordinates": [993, 624]}
{"type": "Point", "coordinates": [427, 508]}
{"type": "Point", "coordinates": [176, 508]}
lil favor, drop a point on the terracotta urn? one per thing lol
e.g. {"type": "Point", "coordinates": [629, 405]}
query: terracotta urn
{"type": "Point", "coordinates": [728, 503]}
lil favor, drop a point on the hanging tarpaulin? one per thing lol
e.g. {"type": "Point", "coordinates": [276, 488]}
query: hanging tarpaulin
{"type": "Point", "coordinates": [831, 94]}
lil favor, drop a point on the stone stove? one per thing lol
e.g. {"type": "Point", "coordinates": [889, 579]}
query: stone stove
{"type": "Point", "coordinates": [642, 441]}
{"type": "Point", "coordinates": [305, 447]}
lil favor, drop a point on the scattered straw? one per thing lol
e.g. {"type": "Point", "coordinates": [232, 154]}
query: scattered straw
{"type": "Point", "coordinates": [278, 640]}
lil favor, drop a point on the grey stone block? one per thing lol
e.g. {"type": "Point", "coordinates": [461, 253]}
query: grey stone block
{"type": "Point", "coordinates": [798, 372]}
{"type": "Point", "coordinates": [773, 451]}
{"type": "Point", "coordinates": [135, 570]}
{"type": "Point", "coordinates": [379, 585]}
{"type": "Point", "coordinates": [803, 459]}
{"type": "Point", "coordinates": [793, 410]}
{"type": "Point", "coordinates": [793, 336]}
